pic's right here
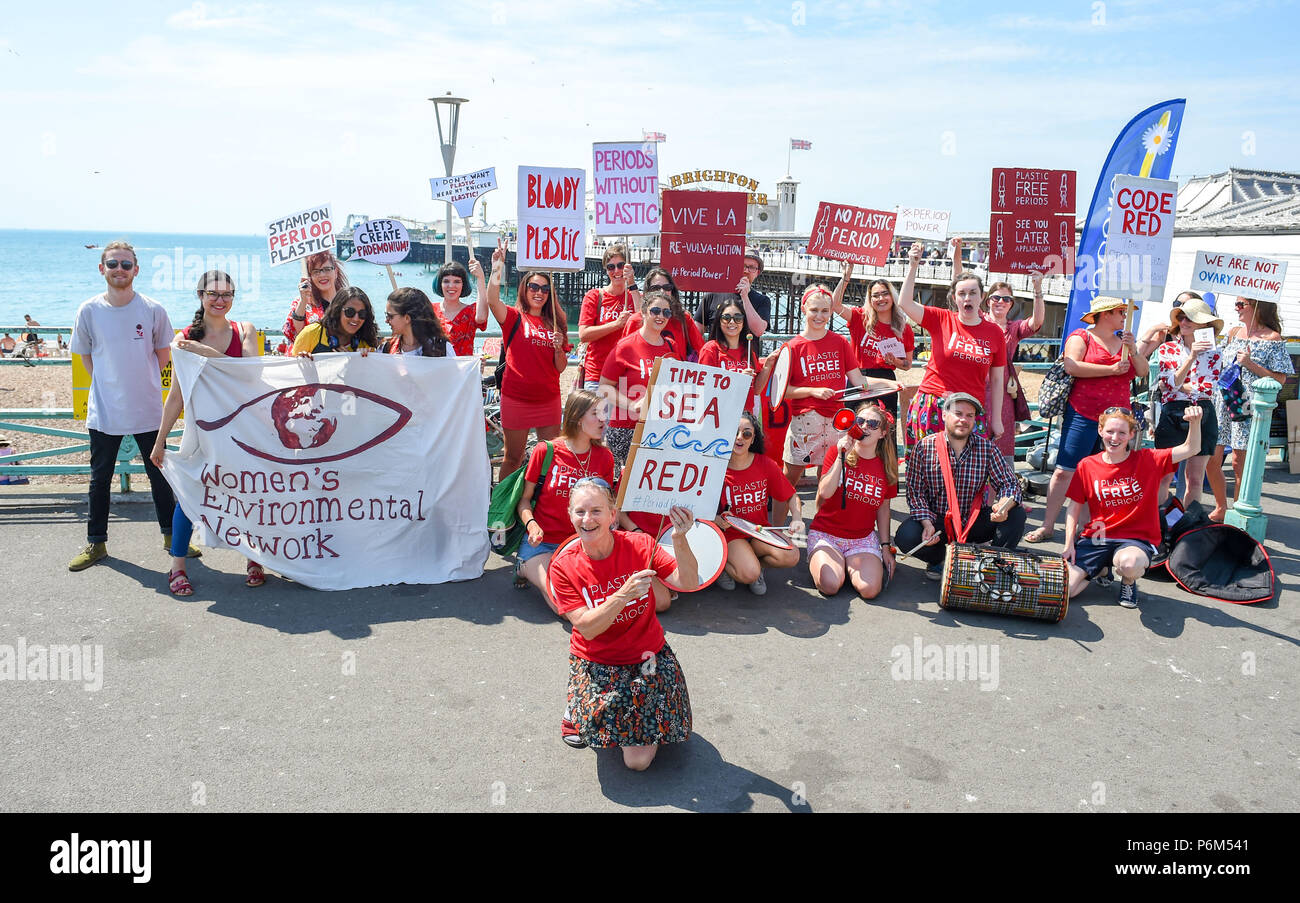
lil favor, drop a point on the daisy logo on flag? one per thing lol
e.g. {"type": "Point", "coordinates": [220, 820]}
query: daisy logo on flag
{"type": "Point", "coordinates": [1156, 139]}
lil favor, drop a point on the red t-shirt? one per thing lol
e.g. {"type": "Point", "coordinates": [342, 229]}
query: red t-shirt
{"type": "Point", "coordinates": [693, 341]}
{"type": "Point", "coordinates": [960, 355]}
{"type": "Point", "coordinates": [629, 366]}
{"type": "Point", "coordinates": [824, 363]}
{"type": "Point", "coordinates": [866, 345]}
{"type": "Point", "coordinates": [598, 308]}
{"type": "Point", "coordinates": [579, 581]}
{"type": "Point", "coordinates": [460, 329]}
{"type": "Point", "coordinates": [866, 488]}
{"type": "Point", "coordinates": [551, 501]}
{"type": "Point", "coordinates": [1124, 495]}
{"type": "Point", "coordinates": [531, 374]}
{"type": "Point", "coordinates": [745, 492]}
{"type": "Point", "coordinates": [733, 359]}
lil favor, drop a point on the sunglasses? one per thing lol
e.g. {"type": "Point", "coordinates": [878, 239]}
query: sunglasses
{"type": "Point", "coordinates": [594, 480]}
{"type": "Point", "coordinates": [538, 287]}
{"type": "Point", "coordinates": [732, 318]}
{"type": "Point", "coordinates": [1116, 410]}
{"type": "Point", "coordinates": [351, 312]}
{"type": "Point", "coordinates": [613, 267]}
{"type": "Point", "coordinates": [321, 271]}
{"type": "Point", "coordinates": [661, 287]}
{"type": "Point", "coordinates": [212, 296]}
{"type": "Point", "coordinates": [869, 424]}
{"type": "Point", "coordinates": [388, 315]}
{"type": "Point", "coordinates": [745, 434]}
{"type": "Point", "coordinates": [1005, 299]}
{"type": "Point", "coordinates": [659, 311]}
{"type": "Point", "coordinates": [124, 264]}
{"type": "Point", "coordinates": [1240, 304]}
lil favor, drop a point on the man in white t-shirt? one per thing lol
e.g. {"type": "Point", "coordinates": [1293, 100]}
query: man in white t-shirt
{"type": "Point", "coordinates": [124, 340]}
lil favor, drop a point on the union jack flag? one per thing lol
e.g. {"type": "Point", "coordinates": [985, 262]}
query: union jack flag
{"type": "Point", "coordinates": [800, 144]}
{"type": "Point", "coordinates": [653, 136]}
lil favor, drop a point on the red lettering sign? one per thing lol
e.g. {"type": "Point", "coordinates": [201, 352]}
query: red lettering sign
{"type": "Point", "coordinates": [844, 232]}
{"type": "Point", "coordinates": [703, 238]}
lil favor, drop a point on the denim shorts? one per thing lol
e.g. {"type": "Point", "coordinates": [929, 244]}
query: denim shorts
{"type": "Point", "coordinates": [527, 550]}
{"type": "Point", "coordinates": [1093, 557]}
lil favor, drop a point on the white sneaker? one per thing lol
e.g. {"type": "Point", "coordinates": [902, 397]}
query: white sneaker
{"type": "Point", "coordinates": [726, 581]}
{"type": "Point", "coordinates": [759, 586]}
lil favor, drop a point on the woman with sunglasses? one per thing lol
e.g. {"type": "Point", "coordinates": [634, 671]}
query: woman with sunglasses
{"type": "Point", "coordinates": [459, 319]}
{"type": "Point", "coordinates": [348, 325]}
{"type": "Point", "coordinates": [1116, 486]}
{"type": "Point", "coordinates": [544, 511]}
{"type": "Point", "coordinates": [967, 354]}
{"type": "Point", "coordinates": [535, 333]}
{"type": "Point", "coordinates": [626, 688]}
{"type": "Point", "coordinates": [415, 328]}
{"type": "Point", "coordinates": [999, 301]}
{"type": "Point", "coordinates": [1257, 346]}
{"type": "Point", "coordinates": [606, 312]}
{"type": "Point", "coordinates": [752, 479]}
{"type": "Point", "coordinates": [850, 534]}
{"type": "Point", "coordinates": [1189, 371]}
{"type": "Point", "coordinates": [682, 331]}
{"type": "Point", "coordinates": [211, 334]}
{"type": "Point", "coordinates": [726, 348]}
{"type": "Point", "coordinates": [878, 331]}
{"type": "Point", "coordinates": [626, 372]}
{"type": "Point", "coordinates": [325, 278]}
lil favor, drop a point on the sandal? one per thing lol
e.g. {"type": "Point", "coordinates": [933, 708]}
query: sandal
{"type": "Point", "coordinates": [521, 582]}
{"type": "Point", "coordinates": [179, 584]}
{"type": "Point", "coordinates": [1042, 534]}
{"type": "Point", "coordinates": [256, 575]}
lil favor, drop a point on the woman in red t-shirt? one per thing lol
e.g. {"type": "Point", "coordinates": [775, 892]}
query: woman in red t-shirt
{"type": "Point", "coordinates": [324, 280]}
{"type": "Point", "coordinates": [626, 372]}
{"type": "Point", "coordinates": [967, 354]}
{"type": "Point", "coordinates": [752, 479]}
{"type": "Point", "coordinates": [545, 515]}
{"type": "Point", "coordinates": [625, 686]}
{"type": "Point", "coordinates": [999, 300]}
{"type": "Point", "coordinates": [726, 348]}
{"type": "Point", "coordinates": [851, 530]}
{"type": "Point", "coordinates": [460, 319]}
{"type": "Point", "coordinates": [534, 333]}
{"type": "Point", "coordinates": [1121, 489]}
{"type": "Point", "coordinates": [878, 331]}
{"type": "Point", "coordinates": [681, 330]}
{"type": "Point", "coordinates": [605, 312]}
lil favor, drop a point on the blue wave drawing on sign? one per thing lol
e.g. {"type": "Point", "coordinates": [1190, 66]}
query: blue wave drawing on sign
{"type": "Point", "coordinates": [680, 437]}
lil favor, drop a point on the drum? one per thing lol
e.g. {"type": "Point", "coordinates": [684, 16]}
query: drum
{"type": "Point", "coordinates": [759, 532]}
{"type": "Point", "coordinates": [780, 378]}
{"type": "Point", "coordinates": [709, 545]}
{"type": "Point", "coordinates": [1028, 584]}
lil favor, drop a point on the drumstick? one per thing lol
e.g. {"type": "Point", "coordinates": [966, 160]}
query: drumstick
{"type": "Point", "coordinates": [650, 560]}
{"type": "Point", "coordinates": [1003, 505]}
{"type": "Point", "coordinates": [913, 551]}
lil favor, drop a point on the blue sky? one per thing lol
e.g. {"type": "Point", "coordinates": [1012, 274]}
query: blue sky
{"type": "Point", "coordinates": [216, 117]}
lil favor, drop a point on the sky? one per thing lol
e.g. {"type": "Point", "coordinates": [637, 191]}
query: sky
{"type": "Point", "coordinates": [215, 117]}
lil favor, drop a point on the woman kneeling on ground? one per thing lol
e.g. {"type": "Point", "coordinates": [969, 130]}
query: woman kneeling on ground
{"type": "Point", "coordinates": [1121, 489]}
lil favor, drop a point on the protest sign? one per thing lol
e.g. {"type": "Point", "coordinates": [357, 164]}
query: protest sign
{"type": "Point", "coordinates": [552, 220]}
{"type": "Point", "coordinates": [383, 241]}
{"type": "Point", "coordinates": [922, 222]}
{"type": "Point", "coordinates": [844, 232]}
{"type": "Point", "coordinates": [703, 243]}
{"type": "Point", "coordinates": [1031, 224]}
{"type": "Point", "coordinates": [1237, 274]}
{"type": "Point", "coordinates": [299, 235]}
{"type": "Point", "coordinates": [464, 191]}
{"type": "Point", "coordinates": [339, 472]}
{"type": "Point", "coordinates": [1025, 190]}
{"type": "Point", "coordinates": [1135, 259]}
{"type": "Point", "coordinates": [680, 451]}
{"type": "Point", "coordinates": [625, 177]}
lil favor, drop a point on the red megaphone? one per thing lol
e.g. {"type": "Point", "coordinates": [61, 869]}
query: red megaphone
{"type": "Point", "coordinates": [845, 419]}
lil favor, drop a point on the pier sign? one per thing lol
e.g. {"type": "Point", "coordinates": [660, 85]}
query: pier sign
{"type": "Point", "coordinates": [1031, 226]}
{"type": "Point", "coordinates": [1135, 257]}
{"type": "Point", "coordinates": [625, 177]}
{"type": "Point", "coordinates": [703, 240]}
{"type": "Point", "coordinates": [1237, 274]}
{"type": "Point", "coordinates": [464, 191]}
{"type": "Point", "coordinates": [856, 234]}
{"type": "Point", "coordinates": [552, 219]}
{"type": "Point", "coordinates": [299, 235]}
{"type": "Point", "coordinates": [922, 222]}
{"type": "Point", "coordinates": [382, 241]}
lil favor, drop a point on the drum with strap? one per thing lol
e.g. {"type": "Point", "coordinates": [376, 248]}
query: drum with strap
{"type": "Point", "coordinates": [1028, 584]}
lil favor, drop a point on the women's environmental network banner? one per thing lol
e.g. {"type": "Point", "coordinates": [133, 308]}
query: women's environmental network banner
{"type": "Point", "coordinates": [339, 471]}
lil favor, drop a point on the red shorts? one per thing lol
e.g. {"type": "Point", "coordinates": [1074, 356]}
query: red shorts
{"type": "Point", "coordinates": [523, 415]}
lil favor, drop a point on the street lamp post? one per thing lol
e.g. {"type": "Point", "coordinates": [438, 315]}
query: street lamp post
{"type": "Point", "coordinates": [447, 140]}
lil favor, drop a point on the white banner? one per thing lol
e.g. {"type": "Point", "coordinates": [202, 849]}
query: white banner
{"type": "Point", "coordinates": [692, 412]}
{"type": "Point", "coordinates": [464, 191]}
{"type": "Point", "coordinates": [381, 241]}
{"type": "Point", "coordinates": [1237, 274]}
{"type": "Point", "coordinates": [625, 177]}
{"type": "Point", "coordinates": [300, 235]}
{"type": "Point", "coordinates": [339, 472]}
{"type": "Point", "coordinates": [552, 219]}
{"type": "Point", "coordinates": [922, 222]}
{"type": "Point", "coordinates": [1135, 262]}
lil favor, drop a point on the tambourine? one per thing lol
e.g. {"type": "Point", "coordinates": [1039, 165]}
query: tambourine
{"type": "Point", "coordinates": [780, 378]}
{"type": "Point", "coordinates": [709, 545]}
{"type": "Point", "coordinates": [768, 535]}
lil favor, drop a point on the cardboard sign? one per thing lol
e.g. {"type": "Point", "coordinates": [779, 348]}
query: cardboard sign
{"type": "Point", "coordinates": [922, 222]}
{"type": "Point", "coordinates": [625, 177]}
{"type": "Point", "coordinates": [703, 243]}
{"type": "Point", "coordinates": [680, 451]}
{"type": "Point", "coordinates": [844, 232]}
{"type": "Point", "coordinates": [1025, 190]}
{"type": "Point", "coordinates": [383, 241]}
{"type": "Point", "coordinates": [1031, 226]}
{"type": "Point", "coordinates": [1135, 262]}
{"type": "Point", "coordinates": [552, 219]}
{"type": "Point", "coordinates": [464, 191]}
{"type": "Point", "coordinates": [300, 235]}
{"type": "Point", "coordinates": [1237, 274]}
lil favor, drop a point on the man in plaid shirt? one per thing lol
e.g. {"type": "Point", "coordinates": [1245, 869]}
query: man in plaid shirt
{"type": "Point", "coordinates": [976, 464]}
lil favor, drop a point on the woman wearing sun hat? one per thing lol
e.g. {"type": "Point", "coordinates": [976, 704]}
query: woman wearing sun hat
{"type": "Point", "coordinates": [1104, 361]}
{"type": "Point", "coordinates": [1189, 371]}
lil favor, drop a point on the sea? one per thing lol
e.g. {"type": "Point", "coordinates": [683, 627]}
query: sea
{"type": "Point", "coordinates": [48, 274]}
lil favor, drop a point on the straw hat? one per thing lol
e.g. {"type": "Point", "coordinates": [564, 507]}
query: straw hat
{"type": "Point", "coordinates": [1198, 312]}
{"type": "Point", "coordinates": [1103, 303]}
